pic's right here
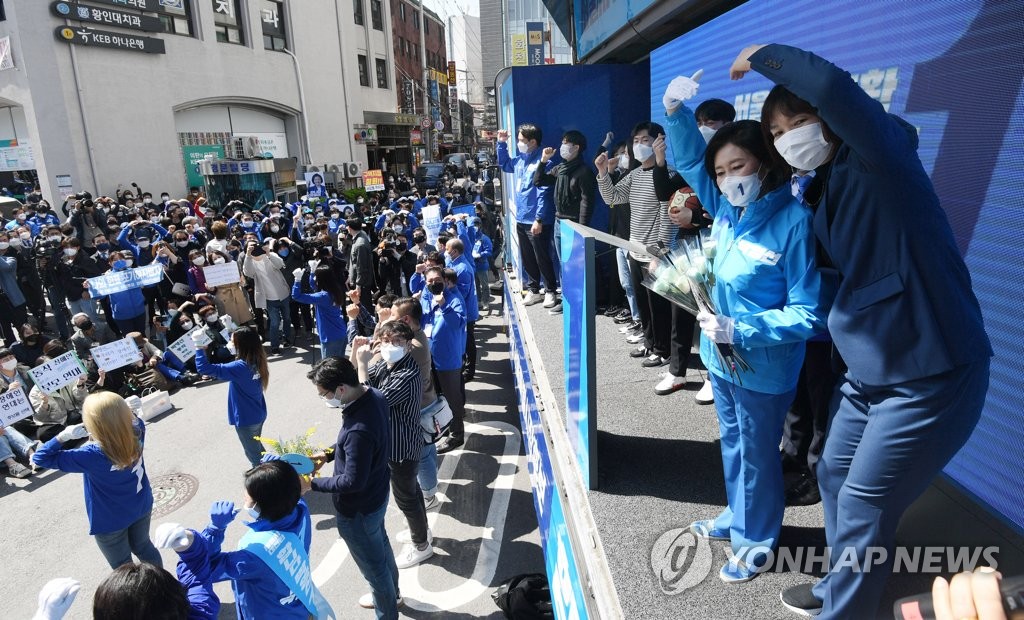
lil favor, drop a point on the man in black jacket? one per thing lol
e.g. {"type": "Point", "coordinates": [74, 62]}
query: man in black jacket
{"type": "Point", "coordinates": [575, 188]}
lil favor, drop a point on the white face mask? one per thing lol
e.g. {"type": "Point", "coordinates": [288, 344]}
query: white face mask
{"type": "Point", "coordinates": [707, 132]}
{"type": "Point", "coordinates": [522, 147]}
{"type": "Point", "coordinates": [253, 511]}
{"type": "Point", "coordinates": [567, 151]}
{"type": "Point", "coordinates": [231, 348]}
{"type": "Point", "coordinates": [143, 243]}
{"type": "Point", "coordinates": [741, 191]}
{"type": "Point", "coordinates": [219, 260]}
{"type": "Point", "coordinates": [212, 318]}
{"type": "Point", "coordinates": [128, 262]}
{"type": "Point", "coordinates": [187, 325]}
{"type": "Point", "coordinates": [804, 148]}
{"type": "Point", "coordinates": [10, 364]}
{"type": "Point", "coordinates": [147, 200]}
{"type": "Point", "coordinates": [4, 245]}
{"type": "Point", "coordinates": [392, 353]}
{"type": "Point", "coordinates": [53, 238]}
{"type": "Point", "coordinates": [624, 161]}
{"type": "Point", "coordinates": [199, 261]}
{"type": "Point", "coordinates": [70, 252]}
{"type": "Point", "coordinates": [182, 244]}
{"type": "Point", "coordinates": [642, 152]}
{"type": "Point", "coordinates": [25, 236]}
{"type": "Point", "coordinates": [398, 228]}
{"type": "Point", "coordinates": [333, 402]}
{"type": "Point", "coordinates": [275, 229]}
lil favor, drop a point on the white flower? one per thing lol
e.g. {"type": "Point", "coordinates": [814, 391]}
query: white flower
{"type": "Point", "coordinates": [700, 264]}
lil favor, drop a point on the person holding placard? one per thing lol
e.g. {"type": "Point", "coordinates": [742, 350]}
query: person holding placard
{"type": "Point", "coordinates": [128, 307]}
{"type": "Point", "coordinates": [13, 443]}
{"type": "Point", "coordinates": [59, 409]}
{"type": "Point", "coordinates": [118, 498]}
{"type": "Point", "coordinates": [248, 377]}
{"type": "Point", "coordinates": [230, 294]}
{"type": "Point", "coordinates": [13, 374]}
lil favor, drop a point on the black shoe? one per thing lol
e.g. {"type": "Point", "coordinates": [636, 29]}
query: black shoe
{"type": "Point", "coordinates": [449, 443]}
{"type": "Point", "coordinates": [654, 360]}
{"type": "Point", "coordinates": [635, 330]}
{"type": "Point", "coordinates": [791, 465]}
{"type": "Point", "coordinates": [188, 379]}
{"type": "Point", "coordinates": [800, 600]}
{"type": "Point", "coordinates": [623, 317]}
{"type": "Point", "coordinates": [601, 309]}
{"type": "Point", "coordinates": [613, 311]}
{"type": "Point", "coordinates": [640, 351]}
{"type": "Point", "coordinates": [804, 492]}
{"type": "Point", "coordinates": [275, 351]}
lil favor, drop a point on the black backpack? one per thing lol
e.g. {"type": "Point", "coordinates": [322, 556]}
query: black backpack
{"type": "Point", "coordinates": [525, 597]}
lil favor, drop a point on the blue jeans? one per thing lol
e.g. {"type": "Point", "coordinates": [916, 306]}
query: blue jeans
{"type": "Point", "coordinates": [626, 280]}
{"type": "Point", "coordinates": [279, 313]}
{"type": "Point", "coordinates": [253, 448]}
{"type": "Point", "coordinates": [119, 546]}
{"type": "Point", "coordinates": [751, 427]}
{"type": "Point", "coordinates": [427, 474]}
{"type": "Point", "coordinates": [13, 443]}
{"type": "Point", "coordinates": [885, 445]}
{"type": "Point", "coordinates": [333, 348]}
{"type": "Point", "coordinates": [368, 543]}
{"type": "Point", "coordinates": [86, 306]}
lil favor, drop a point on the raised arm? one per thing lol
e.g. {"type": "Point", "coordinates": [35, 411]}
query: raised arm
{"type": "Point", "coordinates": [688, 148]}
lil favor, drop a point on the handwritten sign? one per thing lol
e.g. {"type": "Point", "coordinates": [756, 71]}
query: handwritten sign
{"type": "Point", "coordinates": [58, 372]}
{"type": "Point", "coordinates": [431, 218]}
{"type": "Point", "coordinates": [116, 354]}
{"type": "Point", "coordinates": [126, 279]}
{"type": "Point", "coordinates": [14, 406]}
{"type": "Point", "coordinates": [225, 273]}
{"type": "Point", "coordinates": [184, 348]}
{"type": "Point", "coordinates": [373, 180]}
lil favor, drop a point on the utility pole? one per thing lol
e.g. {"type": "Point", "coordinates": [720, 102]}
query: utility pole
{"type": "Point", "coordinates": [428, 132]}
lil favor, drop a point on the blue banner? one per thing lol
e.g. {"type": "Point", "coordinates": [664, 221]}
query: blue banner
{"type": "Point", "coordinates": [598, 20]}
{"type": "Point", "coordinates": [117, 281]}
{"type": "Point", "coordinates": [953, 71]}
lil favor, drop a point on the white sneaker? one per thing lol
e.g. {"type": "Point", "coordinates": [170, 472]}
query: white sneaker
{"type": "Point", "coordinates": [405, 537]}
{"type": "Point", "coordinates": [551, 300]}
{"type": "Point", "coordinates": [705, 395]}
{"type": "Point", "coordinates": [411, 556]}
{"type": "Point", "coordinates": [431, 502]}
{"type": "Point", "coordinates": [532, 298]}
{"type": "Point", "coordinates": [635, 339]}
{"type": "Point", "coordinates": [366, 601]}
{"type": "Point", "coordinates": [669, 384]}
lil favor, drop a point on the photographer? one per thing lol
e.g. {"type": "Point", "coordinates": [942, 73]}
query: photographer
{"type": "Point", "coordinates": [72, 270]}
{"type": "Point", "coordinates": [46, 254]}
{"type": "Point", "coordinates": [20, 247]}
{"type": "Point", "coordinates": [86, 217]}
{"type": "Point", "coordinates": [13, 309]}
{"type": "Point", "coordinates": [389, 270]}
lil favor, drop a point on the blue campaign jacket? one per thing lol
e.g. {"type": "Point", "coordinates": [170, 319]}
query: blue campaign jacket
{"type": "Point", "coordinates": [446, 328]}
{"type": "Point", "coordinates": [532, 203]}
{"type": "Point", "coordinates": [114, 498]}
{"type": "Point", "coordinates": [766, 277]}
{"type": "Point", "coordinates": [259, 593]}
{"type": "Point", "coordinates": [193, 571]}
{"type": "Point", "coordinates": [466, 283]}
{"type": "Point", "coordinates": [246, 404]}
{"type": "Point", "coordinates": [330, 322]}
{"type": "Point", "coordinates": [482, 250]}
{"type": "Point", "coordinates": [905, 308]}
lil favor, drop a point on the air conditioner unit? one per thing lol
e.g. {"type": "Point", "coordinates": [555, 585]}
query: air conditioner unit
{"type": "Point", "coordinates": [334, 168]}
{"type": "Point", "coordinates": [351, 169]}
{"type": "Point", "coordinates": [246, 147]}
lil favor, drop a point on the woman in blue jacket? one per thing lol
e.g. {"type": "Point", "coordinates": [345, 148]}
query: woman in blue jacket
{"type": "Point", "coordinates": [248, 377]}
{"type": "Point", "coordinates": [128, 307]}
{"type": "Point", "coordinates": [270, 572]}
{"type": "Point", "coordinates": [766, 292]}
{"type": "Point", "coordinates": [905, 319]}
{"type": "Point", "coordinates": [118, 498]}
{"type": "Point", "coordinates": [327, 301]}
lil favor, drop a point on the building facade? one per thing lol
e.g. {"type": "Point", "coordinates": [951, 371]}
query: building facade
{"type": "Point", "coordinates": [98, 111]}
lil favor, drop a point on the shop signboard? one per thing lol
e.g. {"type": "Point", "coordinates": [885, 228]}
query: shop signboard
{"type": "Point", "coordinates": [535, 43]}
{"type": "Point", "coordinates": [195, 154]}
{"type": "Point", "coordinates": [112, 40]}
{"type": "Point", "coordinates": [373, 180]}
{"type": "Point", "coordinates": [106, 17]}
{"type": "Point", "coordinates": [519, 55]}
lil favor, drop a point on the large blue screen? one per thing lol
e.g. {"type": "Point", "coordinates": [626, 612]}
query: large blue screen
{"type": "Point", "coordinates": [954, 70]}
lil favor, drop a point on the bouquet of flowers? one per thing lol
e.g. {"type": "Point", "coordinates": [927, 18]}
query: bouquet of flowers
{"type": "Point", "coordinates": [298, 445]}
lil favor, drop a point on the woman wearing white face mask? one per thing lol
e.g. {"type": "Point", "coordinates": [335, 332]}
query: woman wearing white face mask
{"type": "Point", "coordinates": [649, 225]}
{"type": "Point", "coordinates": [909, 399]}
{"type": "Point", "coordinates": [767, 293]}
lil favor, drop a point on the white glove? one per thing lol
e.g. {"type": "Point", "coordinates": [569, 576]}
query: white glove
{"type": "Point", "coordinates": [56, 598]}
{"type": "Point", "coordinates": [70, 433]}
{"type": "Point", "coordinates": [681, 89]}
{"type": "Point", "coordinates": [298, 273]}
{"type": "Point", "coordinates": [172, 536]}
{"type": "Point", "coordinates": [716, 327]}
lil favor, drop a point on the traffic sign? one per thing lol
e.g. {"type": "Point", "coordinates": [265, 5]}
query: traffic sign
{"type": "Point", "coordinates": [439, 125]}
{"type": "Point", "coordinates": [425, 122]}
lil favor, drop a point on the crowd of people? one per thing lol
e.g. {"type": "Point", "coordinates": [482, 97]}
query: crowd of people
{"type": "Point", "coordinates": [836, 280]}
{"type": "Point", "coordinates": [394, 315]}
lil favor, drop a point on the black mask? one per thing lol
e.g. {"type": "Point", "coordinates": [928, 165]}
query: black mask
{"type": "Point", "coordinates": [31, 340]}
{"type": "Point", "coordinates": [436, 288]}
{"type": "Point", "coordinates": [419, 239]}
{"type": "Point", "coordinates": [85, 326]}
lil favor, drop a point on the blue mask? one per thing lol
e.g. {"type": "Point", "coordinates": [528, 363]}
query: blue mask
{"type": "Point", "coordinates": [283, 252]}
{"type": "Point", "coordinates": [119, 265]}
{"type": "Point", "coordinates": [103, 247]}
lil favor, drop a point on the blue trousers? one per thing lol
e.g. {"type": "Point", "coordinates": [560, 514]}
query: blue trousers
{"type": "Point", "coordinates": [885, 445]}
{"type": "Point", "coordinates": [252, 446]}
{"type": "Point", "coordinates": [118, 546]}
{"type": "Point", "coordinates": [751, 427]}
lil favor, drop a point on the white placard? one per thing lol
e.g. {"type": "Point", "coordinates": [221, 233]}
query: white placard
{"type": "Point", "coordinates": [119, 353]}
{"type": "Point", "coordinates": [58, 372]}
{"type": "Point", "coordinates": [225, 273]}
{"type": "Point", "coordinates": [14, 406]}
{"type": "Point", "coordinates": [184, 348]}
{"type": "Point", "coordinates": [430, 217]}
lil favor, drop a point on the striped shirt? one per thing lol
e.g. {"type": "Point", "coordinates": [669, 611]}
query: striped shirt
{"type": "Point", "coordinates": [402, 387]}
{"type": "Point", "coordinates": [648, 216]}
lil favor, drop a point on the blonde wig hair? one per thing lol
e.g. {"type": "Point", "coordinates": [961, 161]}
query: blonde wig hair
{"type": "Point", "coordinates": [109, 420]}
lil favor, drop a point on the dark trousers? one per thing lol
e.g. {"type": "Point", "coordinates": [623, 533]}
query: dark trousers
{"type": "Point", "coordinates": [655, 312]}
{"type": "Point", "coordinates": [469, 359]}
{"type": "Point", "coordinates": [803, 436]}
{"type": "Point", "coordinates": [133, 324]}
{"type": "Point", "coordinates": [406, 489]}
{"type": "Point", "coordinates": [10, 324]}
{"type": "Point", "coordinates": [450, 384]}
{"type": "Point", "coordinates": [683, 324]}
{"type": "Point", "coordinates": [535, 251]}
{"type": "Point", "coordinates": [302, 315]}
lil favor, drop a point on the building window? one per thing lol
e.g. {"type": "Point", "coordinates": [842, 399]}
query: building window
{"type": "Point", "coordinates": [401, 10]}
{"type": "Point", "coordinates": [227, 21]}
{"type": "Point", "coordinates": [176, 19]}
{"type": "Point", "coordinates": [416, 19]}
{"type": "Point", "coordinates": [272, 17]}
{"type": "Point", "coordinates": [357, 6]}
{"type": "Point", "coordinates": [416, 51]}
{"type": "Point", "coordinates": [364, 71]}
{"type": "Point", "coordinates": [382, 73]}
{"type": "Point", "coordinates": [376, 15]}
{"type": "Point", "coordinates": [426, 27]}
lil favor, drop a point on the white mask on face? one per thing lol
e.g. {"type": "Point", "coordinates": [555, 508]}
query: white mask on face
{"type": "Point", "coordinates": [333, 402]}
{"type": "Point", "coordinates": [70, 252]}
{"type": "Point", "coordinates": [4, 245]}
{"type": "Point", "coordinates": [212, 317]}
{"type": "Point", "coordinates": [522, 147]}
{"type": "Point", "coordinates": [804, 148]}
{"type": "Point", "coordinates": [707, 132]}
{"type": "Point", "coordinates": [567, 151]}
{"type": "Point", "coordinates": [741, 191]}
{"type": "Point", "coordinates": [199, 261]}
{"type": "Point", "coordinates": [187, 325]}
{"type": "Point", "coordinates": [624, 161]}
{"type": "Point", "coordinates": [143, 243]}
{"type": "Point", "coordinates": [25, 236]}
{"type": "Point", "coordinates": [392, 353]}
{"type": "Point", "coordinates": [128, 262]}
{"type": "Point", "coordinates": [253, 511]}
{"type": "Point", "coordinates": [10, 364]}
{"type": "Point", "coordinates": [219, 260]}
{"type": "Point", "coordinates": [642, 152]}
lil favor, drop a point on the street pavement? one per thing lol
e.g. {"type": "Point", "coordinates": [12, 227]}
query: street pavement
{"type": "Point", "coordinates": [485, 529]}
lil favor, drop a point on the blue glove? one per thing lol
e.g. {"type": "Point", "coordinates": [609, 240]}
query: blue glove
{"type": "Point", "coordinates": [222, 513]}
{"type": "Point", "coordinates": [269, 456]}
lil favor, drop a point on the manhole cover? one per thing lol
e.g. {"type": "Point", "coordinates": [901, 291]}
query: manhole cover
{"type": "Point", "coordinates": [171, 492]}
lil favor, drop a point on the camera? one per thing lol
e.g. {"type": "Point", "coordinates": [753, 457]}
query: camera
{"type": "Point", "coordinates": [82, 196]}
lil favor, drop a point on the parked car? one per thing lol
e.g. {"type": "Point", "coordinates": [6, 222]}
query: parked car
{"type": "Point", "coordinates": [429, 175]}
{"type": "Point", "coordinates": [461, 163]}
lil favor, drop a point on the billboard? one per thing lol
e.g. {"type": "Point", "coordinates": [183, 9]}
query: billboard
{"type": "Point", "coordinates": [598, 20]}
{"type": "Point", "coordinates": [937, 69]}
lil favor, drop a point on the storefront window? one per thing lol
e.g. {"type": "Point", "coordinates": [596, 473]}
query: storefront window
{"type": "Point", "coordinates": [227, 19]}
